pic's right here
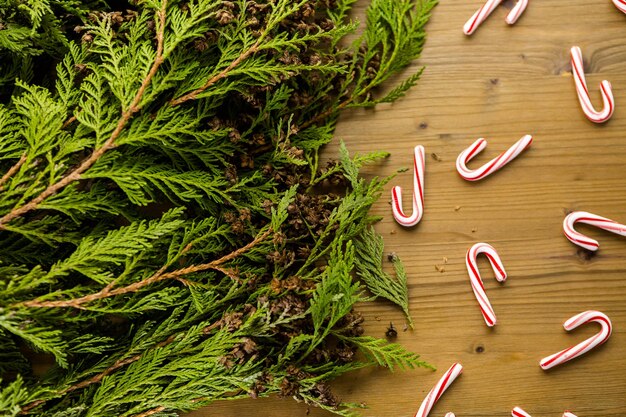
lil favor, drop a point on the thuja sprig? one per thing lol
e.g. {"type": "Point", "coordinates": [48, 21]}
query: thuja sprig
{"type": "Point", "coordinates": [167, 234]}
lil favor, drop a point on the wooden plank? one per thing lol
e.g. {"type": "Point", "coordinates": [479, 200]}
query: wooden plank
{"type": "Point", "coordinates": [500, 83]}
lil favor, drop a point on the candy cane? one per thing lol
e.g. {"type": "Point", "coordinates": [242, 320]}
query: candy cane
{"type": "Point", "coordinates": [418, 193]}
{"type": "Point", "coordinates": [584, 346]}
{"type": "Point", "coordinates": [433, 396]}
{"type": "Point", "coordinates": [491, 166]}
{"type": "Point", "coordinates": [477, 282]}
{"type": "Point", "coordinates": [481, 14]}
{"type": "Point", "coordinates": [620, 4]}
{"type": "Point", "coordinates": [588, 218]}
{"type": "Point", "coordinates": [583, 93]}
{"type": "Point", "coordinates": [518, 412]}
{"type": "Point", "coordinates": [516, 11]}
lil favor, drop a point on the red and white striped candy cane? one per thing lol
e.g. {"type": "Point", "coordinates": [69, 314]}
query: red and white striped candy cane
{"type": "Point", "coordinates": [583, 93]}
{"type": "Point", "coordinates": [584, 346]}
{"type": "Point", "coordinates": [518, 412]}
{"type": "Point", "coordinates": [593, 220]}
{"type": "Point", "coordinates": [516, 11]}
{"type": "Point", "coordinates": [476, 280]}
{"type": "Point", "coordinates": [483, 13]}
{"type": "Point", "coordinates": [418, 193]}
{"type": "Point", "coordinates": [620, 4]}
{"type": "Point", "coordinates": [433, 396]}
{"type": "Point", "coordinates": [491, 166]}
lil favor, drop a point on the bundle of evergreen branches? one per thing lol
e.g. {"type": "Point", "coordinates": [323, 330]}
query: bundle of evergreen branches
{"type": "Point", "coordinates": [167, 233]}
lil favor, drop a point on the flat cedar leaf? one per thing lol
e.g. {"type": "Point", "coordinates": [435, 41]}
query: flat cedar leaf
{"type": "Point", "coordinates": [12, 395]}
{"type": "Point", "coordinates": [143, 181]}
{"type": "Point", "coordinates": [386, 354]}
{"type": "Point", "coordinates": [369, 252]}
{"type": "Point", "coordinates": [401, 89]}
{"type": "Point", "coordinates": [42, 338]}
{"type": "Point", "coordinates": [280, 213]}
{"type": "Point", "coordinates": [96, 258]}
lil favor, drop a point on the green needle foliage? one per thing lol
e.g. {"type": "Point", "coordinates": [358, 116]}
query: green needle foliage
{"type": "Point", "coordinates": [169, 236]}
{"type": "Point", "coordinates": [370, 247]}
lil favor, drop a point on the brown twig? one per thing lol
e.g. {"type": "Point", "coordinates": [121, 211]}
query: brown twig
{"type": "Point", "coordinates": [323, 115]}
{"type": "Point", "coordinates": [162, 408]}
{"type": "Point", "coordinates": [68, 122]}
{"type": "Point", "coordinates": [150, 412]}
{"type": "Point", "coordinates": [12, 171]}
{"type": "Point", "coordinates": [156, 277]}
{"type": "Point", "coordinates": [223, 74]}
{"type": "Point", "coordinates": [75, 175]}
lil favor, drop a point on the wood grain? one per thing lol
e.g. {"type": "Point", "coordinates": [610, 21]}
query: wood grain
{"type": "Point", "coordinates": [501, 83]}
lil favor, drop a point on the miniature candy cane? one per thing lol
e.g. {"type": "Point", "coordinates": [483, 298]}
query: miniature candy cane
{"type": "Point", "coordinates": [588, 218]}
{"type": "Point", "coordinates": [418, 193]}
{"type": "Point", "coordinates": [585, 346]}
{"type": "Point", "coordinates": [481, 14]}
{"type": "Point", "coordinates": [433, 396]}
{"type": "Point", "coordinates": [518, 412]}
{"type": "Point", "coordinates": [620, 4]}
{"type": "Point", "coordinates": [491, 166]}
{"type": "Point", "coordinates": [583, 93]}
{"type": "Point", "coordinates": [477, 282]}
{"type": "Point", "coordinates": [516, 11]}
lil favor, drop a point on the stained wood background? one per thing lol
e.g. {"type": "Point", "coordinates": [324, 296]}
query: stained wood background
{"type": "Point", "coordinates": [500, 83]}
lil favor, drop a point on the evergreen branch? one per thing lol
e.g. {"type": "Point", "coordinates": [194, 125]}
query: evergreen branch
{"type": "Point", "coordinates": [389, 355]}
{"type": "Point", "coordinates": [258, 45]}
{"type": "Point", "coordinates": [109, 144]}
{"type": "Point", "coordinates": [157, 277]}
{"type": "Point", "coordinates": [12, 170]}
{"type": "Point", "coordinates": [369, 252]}
{"type": "Point", "coordinates": [112, 154]}
{"type": "Point", "coordinates": [118, 364]}
{"type": "Point", "coordinates": [393, 37]}
{"type": "Point", "coordinates": [221, 75]}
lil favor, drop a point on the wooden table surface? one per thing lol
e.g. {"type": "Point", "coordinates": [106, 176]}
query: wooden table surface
{"type": "Point", "coordinates": [500, 83]}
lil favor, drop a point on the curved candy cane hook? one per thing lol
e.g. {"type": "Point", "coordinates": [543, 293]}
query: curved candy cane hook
{"type": "Point", "coordinates": [583, 93]}
{"type": "Point", "coordinates": [593, 220]}
{"type": "Point", "coordinates": [418, 193]}
{"type": "Point", "coordinates": [433, 396]}
{"type": "Point", "coordinates": [476, 281]}
{"type": "Point", "coordinates": [620, 4]}
{"type": "Point", "coordinates": [518, 412]}
{"type": "Point", "coordinates": [584, 346]}
{"type": "Point", "coordinates": [491, 166]}
{"type": "Point", "coordinates": [483, 13]}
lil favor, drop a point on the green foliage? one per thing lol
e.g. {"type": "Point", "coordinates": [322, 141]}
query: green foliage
{"type": "Point", "coordinates": [96, 257]}
{"type": "Point", "coordinates": [336, 294]}
{"type": "Point", "coordinates": [167, 236]}
{"type": "Point", "coordinates": [45, 339]}
{"type": "Point", "coordinates": [12, 396]}
{"type": "Point", "coordinates": [369, 252]}
{"type": "Point", "coordinates": [32, 30]}
{"type": "Point", "coordinates": [389, 355]}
